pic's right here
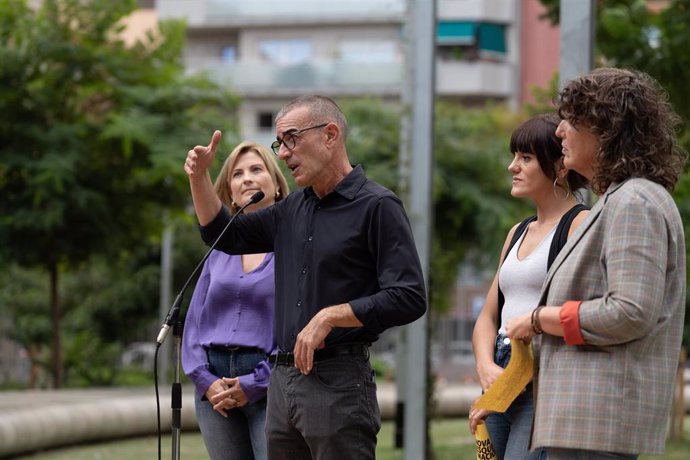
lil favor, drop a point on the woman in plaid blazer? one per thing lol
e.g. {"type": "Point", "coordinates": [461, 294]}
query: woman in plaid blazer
{"type": "Point", "coordinates": [613, 302]}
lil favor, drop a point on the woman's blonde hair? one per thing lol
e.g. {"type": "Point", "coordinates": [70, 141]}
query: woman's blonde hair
{"type": "Point", "coordinates": [222, 183]}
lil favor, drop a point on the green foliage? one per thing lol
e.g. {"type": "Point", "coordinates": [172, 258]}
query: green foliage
{"type": "Point", "coordinates": [629, 34]}
{"type": "Point", "coordinates": [91, 361]}
{"type": "Point", "coordinates": [107, 303]}
{"type": "Point", "coordinates": [23, 294]}
{"type": "Point", "coordinates": [90, 132]}
{"type": "Point", "coordinates": [543, 98]}
{"type": "Point", "coordinates": [472, 203]}
{"type": "Point", "coordinates": [374, 138]}
{"type": "Point", "coordinates": [93, 134]}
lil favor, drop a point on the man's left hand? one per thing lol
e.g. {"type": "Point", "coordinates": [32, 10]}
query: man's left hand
{"type": "Point", "coordinates": [311, 338]}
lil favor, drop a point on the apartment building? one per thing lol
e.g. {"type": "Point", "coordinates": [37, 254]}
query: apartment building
{"type": "Point", "coordinates": [270, 51]}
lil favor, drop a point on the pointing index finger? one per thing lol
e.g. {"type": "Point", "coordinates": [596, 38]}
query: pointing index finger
{"type": "Point", "coordinates": [215, 139]}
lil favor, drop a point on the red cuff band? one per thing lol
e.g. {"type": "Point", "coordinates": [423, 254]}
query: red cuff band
{"type": "Point", "coordinates": [570, 321]}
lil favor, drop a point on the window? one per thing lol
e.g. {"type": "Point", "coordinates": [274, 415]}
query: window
{"type": "Point", "coordinates": [370, 51]}
{"type": "Point", "coordinates": [293, 51]}
{"type": "Point", "coordinates": [456, 33]}
{"type": "Point", "coordinates": [464, 40]}
{"type": "Point", "coordinates": [492, 38]}
{"type": "Point", "coordinates": [228, 54]}
{"type": "Point", "coordinates": [264, 121]}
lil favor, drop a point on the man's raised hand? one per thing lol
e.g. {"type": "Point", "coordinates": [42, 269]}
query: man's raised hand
{"type": "Point", "coordinates": [201, 156]}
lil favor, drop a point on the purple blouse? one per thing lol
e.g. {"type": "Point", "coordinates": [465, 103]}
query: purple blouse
{"type": "Point", "coordinates": [230, 308]}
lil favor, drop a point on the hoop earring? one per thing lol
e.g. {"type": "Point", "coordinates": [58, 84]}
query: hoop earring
{"type": "Point", "coordinates": [277, 194]}
{"type": "Point", "coordinates": [567, 189]}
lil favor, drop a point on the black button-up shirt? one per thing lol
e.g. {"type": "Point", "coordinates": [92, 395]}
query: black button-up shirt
{"type": "Point", "coordinates": [353, 246]}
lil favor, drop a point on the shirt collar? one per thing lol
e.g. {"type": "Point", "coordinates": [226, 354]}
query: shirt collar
{"type": "Point", "coordinates": [348, 187]}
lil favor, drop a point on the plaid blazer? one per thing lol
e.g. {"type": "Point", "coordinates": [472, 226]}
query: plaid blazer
{"type": "Point", "coordinates": [626, 262]}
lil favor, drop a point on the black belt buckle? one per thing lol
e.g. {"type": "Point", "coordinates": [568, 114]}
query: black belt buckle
{"type": "Point", "coordinates": [352, 349]}
{"type": "Point", "coordinates": [355, 349]}
{"type": "Point", "coordinates": [282, 359]}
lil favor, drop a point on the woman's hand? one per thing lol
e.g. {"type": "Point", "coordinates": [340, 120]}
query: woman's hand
{"type": "Point", "coordinates": [520, 328]}
{"type": "Point", "coordinates": [216, 388]}
{"type": "Point", "coordinates": [488, 373]}
{"type": "Point", "coordinates": [476, 417]}
{"type": "Point", "coordinates": [230, 398]}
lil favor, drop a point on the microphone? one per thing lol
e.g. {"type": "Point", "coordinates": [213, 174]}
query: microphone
{"type": "Point", "coordinates": [258, 196]}
{"type": "Point", "coordinates": [175, 309]}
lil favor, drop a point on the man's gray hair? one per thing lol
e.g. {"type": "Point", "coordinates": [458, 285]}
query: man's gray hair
{"type": "Point", "coordinates": [322, 109]}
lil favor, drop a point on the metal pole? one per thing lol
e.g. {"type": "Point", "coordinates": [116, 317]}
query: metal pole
{"type": "Point", "coordinates": [166, 294]}
{"type": "Point", "coordinates": [176, 394]}
{"type": "Point", "coordinates": [577, 19]}
{"type": "Point", "coordinates": [403, 191]}
{"type": "Point", "coordinates": [421, 212]}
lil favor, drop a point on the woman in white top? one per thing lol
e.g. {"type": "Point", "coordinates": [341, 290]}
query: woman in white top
{"type": "Point", "coordinates": [539, 175]}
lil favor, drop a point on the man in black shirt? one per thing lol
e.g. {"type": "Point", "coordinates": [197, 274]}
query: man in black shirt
{"type": "Point", "coordinates": [346, 269]}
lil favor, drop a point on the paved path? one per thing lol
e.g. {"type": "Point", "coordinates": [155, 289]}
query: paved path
{"type": "Point", "coordinates": [33, 420]}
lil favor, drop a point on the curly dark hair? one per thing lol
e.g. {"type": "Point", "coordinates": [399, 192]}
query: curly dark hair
{"type": "Point", "coordinates": [637, 127]}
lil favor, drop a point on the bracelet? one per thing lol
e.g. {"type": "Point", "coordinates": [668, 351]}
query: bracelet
{"type": "Point", "coordinates": [536, 324]}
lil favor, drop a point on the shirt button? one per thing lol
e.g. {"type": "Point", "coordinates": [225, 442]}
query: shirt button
{"type": "Point", "coordinates": [299, 303]}
{"type": "Point", "coordinates": [304, 270]}
{"type": "Point", "coordinates": [310, 238]}
{"type": "Point", "coordinates": [506, 341]}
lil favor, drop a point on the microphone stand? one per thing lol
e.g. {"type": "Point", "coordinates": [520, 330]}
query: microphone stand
{"type": "Point", "coordinates": [172, 320]}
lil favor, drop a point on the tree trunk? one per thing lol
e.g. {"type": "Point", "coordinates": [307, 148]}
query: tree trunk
{"type": "Point", "coordinates": [34, 368]}
{"type": "Point", "coordinates": [55, 323]}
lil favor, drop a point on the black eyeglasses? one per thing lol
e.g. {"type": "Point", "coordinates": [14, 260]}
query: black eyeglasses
{"type": "Point", "coordinates": [290, 139]}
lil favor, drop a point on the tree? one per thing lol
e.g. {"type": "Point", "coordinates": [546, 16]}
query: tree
{"type": "Point", "coordinates": [630, 34]}
{"type": "Point", "coordinates": [92, 134]}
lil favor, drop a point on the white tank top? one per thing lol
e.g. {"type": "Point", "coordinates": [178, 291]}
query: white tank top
{"type": "Point", "coordinates": [521, 280]}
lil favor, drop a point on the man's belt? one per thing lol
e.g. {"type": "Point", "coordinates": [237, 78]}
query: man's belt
{"type": "Point", "coordinates": [356, 349]}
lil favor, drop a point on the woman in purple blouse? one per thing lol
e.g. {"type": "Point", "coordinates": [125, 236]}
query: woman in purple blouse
{"type": "Point", "coordinates": [228, 331]}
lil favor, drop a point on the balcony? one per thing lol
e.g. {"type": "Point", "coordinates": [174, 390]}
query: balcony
{"type": "Point", "coordinates": [474, 79]}
{"type": "Point", "coordinates": [262, 79]}
{"type": "Point", "coordinates": [500, 11]}
{"type": "Point", "coordinates": [466, 79]}
{"type": "Point", "coordinates": [242, 13]}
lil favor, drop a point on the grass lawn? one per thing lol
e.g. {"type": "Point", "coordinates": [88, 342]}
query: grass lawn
{"type": "Point", "coordinates": [451, 439]}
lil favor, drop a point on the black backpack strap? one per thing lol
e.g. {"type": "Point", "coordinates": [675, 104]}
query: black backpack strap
{"type": "Point", "coordinates": [521, 228]}
{"type": "Point", "coordinates": [561, 235]}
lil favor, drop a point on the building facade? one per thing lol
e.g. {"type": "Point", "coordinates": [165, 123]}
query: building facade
{"type": "Point", "coordinates": [270, 51]}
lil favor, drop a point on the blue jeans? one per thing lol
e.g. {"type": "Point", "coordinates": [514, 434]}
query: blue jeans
{"type": "Point", "coordinates": [241, 435]}
{"type": "Point", "coordinates": [511, 430]}
{"type": "Point", "coordinates": [330, 414]}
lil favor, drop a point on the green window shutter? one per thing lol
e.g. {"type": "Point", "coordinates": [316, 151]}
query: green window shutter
{"type": "Point", "coordinates": [456, 33]}
{"type": "Point", "coordinates": [492, 38]}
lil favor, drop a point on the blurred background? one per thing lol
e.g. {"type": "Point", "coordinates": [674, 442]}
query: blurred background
{"type": "Point", "coordinates": [100, 101]}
